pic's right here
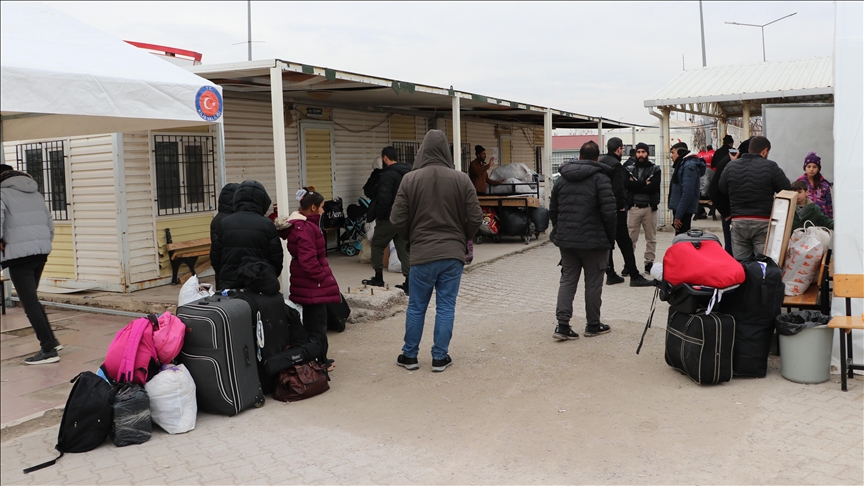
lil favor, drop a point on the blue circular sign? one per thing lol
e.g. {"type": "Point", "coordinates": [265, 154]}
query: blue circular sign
{"type": "Point", "coordinates": [208, 102]}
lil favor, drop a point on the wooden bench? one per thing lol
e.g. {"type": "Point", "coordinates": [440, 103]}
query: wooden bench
{"type": "Point", "coordinates": [186, 252]}
{"type": "Point", "coordinates": [817, 295]}
{"type": "Point", "coordinates": [848, 287]}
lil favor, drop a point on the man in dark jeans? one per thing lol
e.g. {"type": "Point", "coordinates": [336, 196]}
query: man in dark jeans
{"type": "Point", "coordinates": [622, 235]}
{"type": "Point", "coordinates": [26, 233]}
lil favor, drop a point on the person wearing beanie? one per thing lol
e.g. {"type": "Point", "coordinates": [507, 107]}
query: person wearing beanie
{"type": "Point", "coordinates": [818, 187]}
{"type": "Point", "coordinates": [685, 185]}
{"type": "Point", "coordinates": [478, 170]}
{"type": "Point", "coordinates": [751, 183]}
{"type": "Point", "coordinates": [612, 159]}
{"type": "Point", "coordinates": [643, 197]}
{"type": "Point", "coordinates": [631, 160]}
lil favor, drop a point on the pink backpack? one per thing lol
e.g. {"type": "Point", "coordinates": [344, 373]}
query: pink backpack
{"type": "Point", "coordinates": [132, 355]}
{"type": "Point", "coordinates": [169, 337]}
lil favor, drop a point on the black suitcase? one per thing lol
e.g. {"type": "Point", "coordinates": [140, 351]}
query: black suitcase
{"type": "Point", "coordinates": [294, 355]}
{"type": "Point", "coordinates": [271, 329]}
{"type": "Point", "coordinates": [696, 235]}
{"type": "Point", "coordinates": [700, 346]}
{"type": "Point", "coordinates": [337, 315]}
{"type": "Point", "coordinates": [754, 305]}
{"type": "Point", "coordinates": [219, 352]}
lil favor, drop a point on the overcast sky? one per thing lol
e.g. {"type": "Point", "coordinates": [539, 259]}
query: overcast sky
{"type": "Point", "coordinates": [596, 58]}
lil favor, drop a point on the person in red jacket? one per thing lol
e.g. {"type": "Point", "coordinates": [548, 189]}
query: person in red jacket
{"type": "Point", "coordinates": [312, 284]}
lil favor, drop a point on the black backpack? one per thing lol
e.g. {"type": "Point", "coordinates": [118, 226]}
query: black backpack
{"type": "Point", "coordinates": [87, 418]}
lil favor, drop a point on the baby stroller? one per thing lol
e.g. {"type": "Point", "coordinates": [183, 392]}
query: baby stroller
{"type": "Point", "coordinates": [355, 227]}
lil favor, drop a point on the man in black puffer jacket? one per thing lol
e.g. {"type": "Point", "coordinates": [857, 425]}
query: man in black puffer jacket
{"type": "Point", "coordinates": [582, 210]}
{"type": "Point", "coordinates": [751, 182]}
{"type": "Point", "coordinates": [379, 211]}
{"type": "Point", "coordinates": [226, 207]}
{"type": "Point", "coordinates": [247, 237]}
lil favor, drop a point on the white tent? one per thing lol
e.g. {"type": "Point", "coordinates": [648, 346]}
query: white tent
{"type": "Point", "coordinates": [62, 77]}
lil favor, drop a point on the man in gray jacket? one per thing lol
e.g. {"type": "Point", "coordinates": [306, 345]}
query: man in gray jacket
{"type": "Point", "coordinates": [436, 210]}
{"type": "Point", "coordinates": [26, 233]}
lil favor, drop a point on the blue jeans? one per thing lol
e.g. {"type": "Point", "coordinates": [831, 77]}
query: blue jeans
{"type": "Point", "coordinates": [444, 276]}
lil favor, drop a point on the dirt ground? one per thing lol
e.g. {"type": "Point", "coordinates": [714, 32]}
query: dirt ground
{"type": "Point", "coordinates": [516, 407]}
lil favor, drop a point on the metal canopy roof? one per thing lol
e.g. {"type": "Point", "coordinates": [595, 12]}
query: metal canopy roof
{"type": "Point", "coordinates": [303, 83]}
{"type": "Point", "coordinates": [723, 90]}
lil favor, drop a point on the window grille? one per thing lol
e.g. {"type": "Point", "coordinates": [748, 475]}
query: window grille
{"type": "Point", "coordinates": [627, 148]}
{"type": "Point", "coordinates": [46, 164]}
{"type": "Point", "coordinates": [406, 151]}
{"type": "Point", "coordinates": [185, 174]}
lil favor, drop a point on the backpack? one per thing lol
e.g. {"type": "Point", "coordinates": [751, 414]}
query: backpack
{"type": "Point", "coordinates": [132, 355]}
{"type": "Point", "coordinates": [370, 189]}
{"type": "Point", "coordinates": [87, 417]}
{"type": "Point", "coordinates": [169, 337]}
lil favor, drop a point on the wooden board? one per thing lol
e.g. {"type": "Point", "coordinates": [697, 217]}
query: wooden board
{"type": "Point", "coordinates": [518, 201]}
{"type": "Point", "coordinates": [188, 244]}
{"type": "Point", "coordinates": [191, 253]}
{"type": "Point", "coordinates": [846, 322]}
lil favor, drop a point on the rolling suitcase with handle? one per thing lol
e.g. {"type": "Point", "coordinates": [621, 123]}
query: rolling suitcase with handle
{"type": "Point", "coordinates": [271, 328]}
{"type": "Point", "coordinates": [220, 353]}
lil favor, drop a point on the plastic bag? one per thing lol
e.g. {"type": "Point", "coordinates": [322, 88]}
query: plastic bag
{"type": "Point", "coordinates": [657, 271]}
{"type": "Point", "coordinates": [131, 416]}
{"type": "Point", "coordinates": [295, 306]}
{"type": "Point", "coordinates": [520, 172]}
{"type": "Point", "coordinates": [803, 257]}
{"type": "Point", "coordinates": [173, 405]}
{"type": "Point", "coordinates": [794, 322]}
{"type": "Point", "coordinates": [193, 290]}
{"type": "Point", "coordinates": [395, 265]}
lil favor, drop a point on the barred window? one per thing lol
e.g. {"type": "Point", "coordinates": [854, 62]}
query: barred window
{"type": "Point", "coordinates": [627, 148]}
{"type": "Point", "coordinates": [406, 151]}
{"type": "Point", "coordinates": [46, 164]}
{"type": "Point", "coordinates": [185, 174]}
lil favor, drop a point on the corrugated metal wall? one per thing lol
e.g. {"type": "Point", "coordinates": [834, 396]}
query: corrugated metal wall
{"type": "Point", "coordinates": [61, 261]}
{"type": "Point", "coordinates": [524, 140]}
{"type": "Point", "coordinates": [482, 134]}
{"type": "Point", "coordinates": [91, 162]}
{"type": "Point", "coordinates": [140, 220]}
{"type": "Point", "coordinates": [403, 128]}
{"type": "Point", "coordinates": [359, 137]}
{"type": "Point", "coordinates": [420, 128]}
{"type": "Point", "coordinates": [318, 160]}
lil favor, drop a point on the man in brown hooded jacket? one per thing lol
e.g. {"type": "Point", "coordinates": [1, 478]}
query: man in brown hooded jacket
{"type": "Point", "coordinates": [437, 212]}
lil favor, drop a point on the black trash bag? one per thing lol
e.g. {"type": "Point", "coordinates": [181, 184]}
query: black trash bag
{"type": "Point", "coordinates": [132, 423]}
{"type": "Point", "coordinates": [794, 322]}
{"type": "Point", "coordinates": [540, 217]}
{"type": "Point", "coordinates": [513, 221]}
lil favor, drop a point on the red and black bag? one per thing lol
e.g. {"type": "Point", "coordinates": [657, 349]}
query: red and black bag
{"type": "Point", "coordinates": [300, 382]}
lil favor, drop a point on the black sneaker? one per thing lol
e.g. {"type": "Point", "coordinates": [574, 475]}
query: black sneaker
{"type": "Point", "coordinates": [407, 363]}
{"type": "Point", "coordinates": [374, 281]}
{"type": "Point", "coordinates": [439, 365]}
{"type": "Point", "coordinates": [591, 331]}
{"type": "Point", "coordinates": [43, 357]}
{"type": "Point", "coordinates": [625, 272]}
{"type": "Point", "coordinates": [640, 281]}
{"type": "Point", "coordinates": [565, 333]}
{"type": "Point", "coordinates": [57, 346]}
{"type": "Point", "coordinates": [613, 279]}
{"type": "Point", "coordinates": [648, 266]}
{"type": "Point", "coordinates": [403, 287]}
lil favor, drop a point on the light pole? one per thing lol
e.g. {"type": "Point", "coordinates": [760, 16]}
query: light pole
{"type": "Point", "coordinates": [762, 27]}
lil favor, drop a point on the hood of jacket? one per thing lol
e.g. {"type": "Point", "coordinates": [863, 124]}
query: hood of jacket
{"type": "Point", "coordinates": [226, 197]}
{"type": "Point", "coordinates": [20, 182]}
{"type": "Point", "coordinates": [434, 151]}
{"type": "Point", "coordinates": [694, 159]}
{"type": "Point", "coordinates": [251, 196]}
{"type": "Point", "coordinates": [582, 169]}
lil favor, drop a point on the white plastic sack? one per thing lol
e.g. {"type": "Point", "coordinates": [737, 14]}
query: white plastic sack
{"type": "Point", "coordinates": [295, 306]}
{"type": "Point", "coordinates": [395, 265]}
{"type": "Point", "coordinates": [192, 290]}
{"type": "Point", "coordinates": [657, 271]}
{"type": "Point", "coordinates": [803, 258]}
{"type": "Point", "coordinates": [172, 399]}
{"type": "Point", "coordinates": [509, 188]}
{"type": "Point", "coordinates": [521, 172]}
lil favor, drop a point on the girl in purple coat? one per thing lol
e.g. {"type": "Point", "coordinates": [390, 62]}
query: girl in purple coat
{"type": "Point", "coordinates": [312, 284]}
{"type": "Point", "coordinates": [818, 187]}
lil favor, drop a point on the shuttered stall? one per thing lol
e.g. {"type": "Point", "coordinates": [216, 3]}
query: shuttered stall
{"type": "Point", "coordinates": [61, 261]}
{"type": "Point", "coordinates": [97, 253]}
{"type": "Point", "coordinates": [359, 138]}
{"type": "Point", "coordinates": [420, 128]}
{"type": "Point", "coordinates": [140, 220]}
{"type": "Point", "coordinates": [318, 159]}
{"type": "Point", "coordinates": [482, 134]}
{"type": "Point", "coordinates": [524, 140]}
{"type": "Point", "coordinates": [403, 128]}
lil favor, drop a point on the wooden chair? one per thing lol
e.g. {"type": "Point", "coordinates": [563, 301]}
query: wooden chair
{"type": "Point", "coordinates": [848, 287]}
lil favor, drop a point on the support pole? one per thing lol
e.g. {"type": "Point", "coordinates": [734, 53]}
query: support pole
{"type": "Point", "coordinates": [600, 135]}
{"type": "Point", "coordinates": [279, 158]}
{"type": "Point", "coordinates": [457, 135]}
{"type": "Point", "coordinates": [220, 159]}
{"type": "Point", "coordinates": [633, 137]}
{"type": "Point", "coordinates": [665, 164]}
{"type": "Point", "coordinates": [249, 25]}
{"type": "Point", "coordinates": [721, 129]}
{"type": "Point", "coordinates": [547, 155]}
{"type": "Point", "coordinates": [745, 122]}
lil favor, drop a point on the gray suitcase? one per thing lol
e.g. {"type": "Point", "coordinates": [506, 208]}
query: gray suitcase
{"type": "Point", "coordinates": [696, 235]}
{"type": "Point", "coordinates": [219, 352]}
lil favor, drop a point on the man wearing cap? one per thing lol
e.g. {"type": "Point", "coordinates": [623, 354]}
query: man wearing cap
{"type": "Point", "coordinates": [478, 170]}
{"type": "Point", "coordinates": [643, 197]}
{"type": "Point", "coordinates": [612, 159]}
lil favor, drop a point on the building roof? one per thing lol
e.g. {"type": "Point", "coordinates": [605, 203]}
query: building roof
{"type": "Point", "coordinates": [571, 142]}
{"type": "Point", "coordinates": [320, 86]}
{"type": "Point", "coordinates": [727, 88]}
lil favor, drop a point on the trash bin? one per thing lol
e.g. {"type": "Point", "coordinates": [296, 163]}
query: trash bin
{"type": "Point", "coordinates": [805, 346]}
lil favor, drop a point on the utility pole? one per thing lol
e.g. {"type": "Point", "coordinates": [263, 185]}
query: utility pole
{"type": "Point", "coordinates": [702, 26]}
{"type": "Point", "coordinates": [762, 27]}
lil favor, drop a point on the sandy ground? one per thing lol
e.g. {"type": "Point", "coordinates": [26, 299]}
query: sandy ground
{"type": "Point", "coordinates": [516, 407]}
